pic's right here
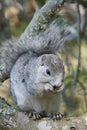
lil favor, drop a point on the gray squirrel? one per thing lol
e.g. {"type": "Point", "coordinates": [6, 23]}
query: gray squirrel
{"type": "Point", "coordinates": [36, 83]}
{"type": "Point", "coordinates": [36, 73]}
{"type": "Point", "coordinates": [37, 77]}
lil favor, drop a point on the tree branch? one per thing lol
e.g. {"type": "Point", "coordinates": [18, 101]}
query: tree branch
{"type": "Point", "coordinates": [79, 45]}
{"type": "Point", "coordinates": [84, 91]}
{"type": "Point", "coordinates": [11, 119]}
{"type": "Point", "coordinates": [40, 21]}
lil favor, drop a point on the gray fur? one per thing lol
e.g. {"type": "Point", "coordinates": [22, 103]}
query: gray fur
{"type": "Point", "coordinates": [33, 87]}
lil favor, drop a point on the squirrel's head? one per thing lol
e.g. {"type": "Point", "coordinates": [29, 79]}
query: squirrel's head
{"type": "Point", "coordinates": [50, 73]}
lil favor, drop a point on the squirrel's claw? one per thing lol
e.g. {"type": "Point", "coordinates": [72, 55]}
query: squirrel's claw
{"type": "Point", "coordinates": [37, 116]}
{"type": "Point", "coordinates": [34, 115]}
{"type": "Point", "coordinates": [57, 116]}
{"type": "Point", "coordinates": [30, 115]}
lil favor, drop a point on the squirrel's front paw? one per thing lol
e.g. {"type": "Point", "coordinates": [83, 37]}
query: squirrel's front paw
{"type": "Point", "coordinates": [48, 87]}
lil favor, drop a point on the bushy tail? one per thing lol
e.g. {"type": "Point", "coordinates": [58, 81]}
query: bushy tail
{"type": "Point", "coordinates": [53, 38]}
{"type": "Point", "coordinates": [50, 40]}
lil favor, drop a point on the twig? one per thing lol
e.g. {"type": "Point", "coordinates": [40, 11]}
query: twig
{"type": "Point", "coordinates": [82, 2]}
{"type": "Point", "coordinates": [84, 23]}
{"type": "Point", "coordinates": [85, 94]}
{"type": "Point", "coordinates": [79, 45]}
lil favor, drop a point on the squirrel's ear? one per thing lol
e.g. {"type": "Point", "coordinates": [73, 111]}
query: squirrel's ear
{"type": "Point", "coordinates": [43, 60]}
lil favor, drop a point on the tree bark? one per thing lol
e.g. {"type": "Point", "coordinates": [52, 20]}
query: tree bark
{"type": "Point", "coordinates": [12, 119]}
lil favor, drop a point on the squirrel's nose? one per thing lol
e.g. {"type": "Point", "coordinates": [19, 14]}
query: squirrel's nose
{"type": "Point", "coordinates": [55, 87]}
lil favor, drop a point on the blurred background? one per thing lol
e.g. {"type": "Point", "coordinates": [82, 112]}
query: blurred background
{"type": "Point", "coordinates": [15, 15]}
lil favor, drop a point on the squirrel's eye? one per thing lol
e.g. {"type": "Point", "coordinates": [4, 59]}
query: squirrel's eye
{"type": "Point", "coordinates": [48, 72]}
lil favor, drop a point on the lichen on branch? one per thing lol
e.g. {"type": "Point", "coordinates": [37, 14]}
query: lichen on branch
{"type": "Point", "coordinates": [43, 16]}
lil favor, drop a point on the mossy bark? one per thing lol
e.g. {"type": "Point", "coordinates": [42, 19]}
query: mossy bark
{"type": "Point", "coordinates": [12, 119]}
